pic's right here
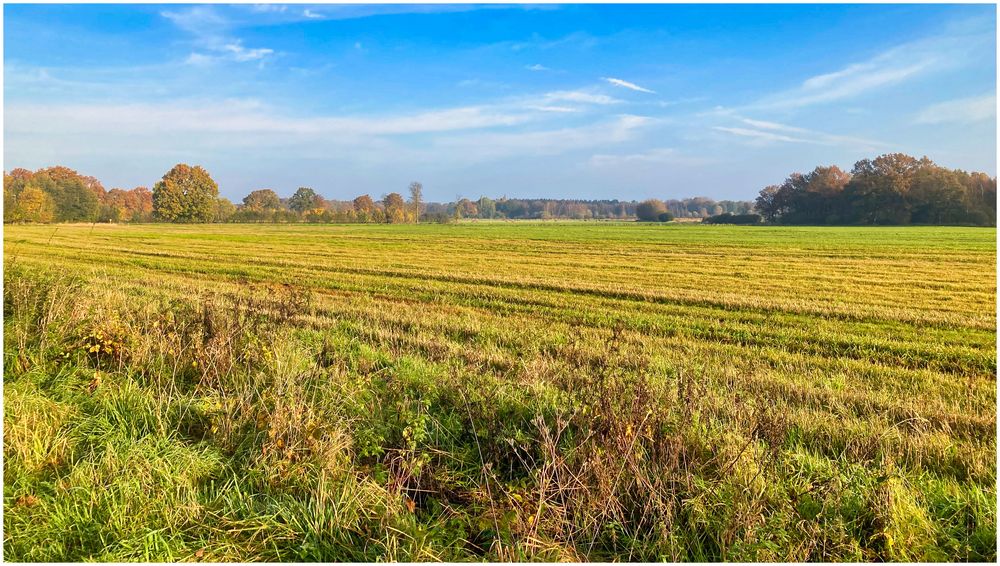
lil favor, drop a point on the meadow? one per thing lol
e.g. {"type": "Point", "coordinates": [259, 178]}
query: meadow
{"type": "Point", "coordinates": [499, 391]}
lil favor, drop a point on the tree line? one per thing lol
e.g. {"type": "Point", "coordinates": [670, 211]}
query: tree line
{"type": "Point", "coordinates": [189, 194]}
{"type": "Point", "coordinates": [893, 189]}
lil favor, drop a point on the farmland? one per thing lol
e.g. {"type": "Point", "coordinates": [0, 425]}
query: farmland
{"type": "Point", "coordinates": [499, 391]}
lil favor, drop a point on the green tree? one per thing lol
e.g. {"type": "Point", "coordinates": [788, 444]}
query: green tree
{"type": "Point", "coordinates": [304, 200]}
{"type": "Point", "coordinates": [74, 200]}
{"type": "Point", "coordinates": [487, 207]}
{"type": "Point", "coordinates": [185, 194]}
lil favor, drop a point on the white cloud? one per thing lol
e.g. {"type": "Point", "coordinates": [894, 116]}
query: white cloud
{"type": "Point", "coordinates": [894, 66]}
{"type": "Point", "coordinates": [311, 15]}
{"type": "Point", "coordinates": [763, 132]}
{"type": "Point", "coordinates": [537, 67]}
{"type": "Point", "coordinates": [480, 146]}
{"type": "Point", "coordinates": [764, 125]}
{"type": "Point", "coordinates": [203, 21]}
{"type": "Point", "coordinates": [561, 109]}
{"type": "Point", "coordinates": [211, 33]}
{"type": "Point", "coordinates": [241, 116]}
{"type": "Point", "coordinates": [759, 134]}
{"type": "Point", "coordinates": [960, 111]}
{"type": "Point", "coordinates": [628, 85]}
{"type": "Point", "coordinates": [240, 53]}
{"type": "Point", "coordinates": [580, 96]}
{"type": "Point", "coordinates": [655, 155]}
{"type": "Point", "coordinates": [268, 8]}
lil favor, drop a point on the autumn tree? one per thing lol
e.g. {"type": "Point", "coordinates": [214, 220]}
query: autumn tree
{"type": "Point", "coordinates": [395, 208]}
{"type": "Point", "coordinates": [877, 192]}
{"type": "Point", "coordinates": [890, 189]}
{"type": "Point", "coordinates": [262, 200]}
{"type": "Point", "coordinates": [364, 208]}
{"type": "Point", "coordinates": [465, 208]}
{"type": "Point", "coordinates": [650, 210]}
{"type": "Point", "coordinates": [33, 205]}
{"type": "Point", "coordinates": [185, 194]}
{"type": "Point", "coordinates": [224, 210]}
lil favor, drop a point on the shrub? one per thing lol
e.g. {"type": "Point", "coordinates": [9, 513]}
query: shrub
{"type": "Point", "coordinates": [730, 218]}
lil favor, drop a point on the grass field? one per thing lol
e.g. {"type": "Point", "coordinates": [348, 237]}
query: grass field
{"type": "Point", "coordinates": [499, 391]}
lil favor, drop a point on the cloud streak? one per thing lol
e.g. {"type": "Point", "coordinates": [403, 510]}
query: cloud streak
{"type": "Point", "coordinates": [960, 111]}
{"type": "Point", "coordinates": [628, 85]}
{"type": "Point", "coordinates": [892, 67]}
{"type": "Point", "coordinates": [762, 132]}
{"type": "Point", "coordinates": [212, 33]}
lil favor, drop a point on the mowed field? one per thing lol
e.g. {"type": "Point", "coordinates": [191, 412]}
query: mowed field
{"type": "Point", "coordinates": [499, 391]}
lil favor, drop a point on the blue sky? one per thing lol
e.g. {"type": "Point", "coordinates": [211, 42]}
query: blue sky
{"type": "Point", "coordinates": [563, 101]}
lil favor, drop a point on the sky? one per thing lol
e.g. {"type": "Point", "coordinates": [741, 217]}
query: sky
{"type": "Point", "coordinates": [557, 101]}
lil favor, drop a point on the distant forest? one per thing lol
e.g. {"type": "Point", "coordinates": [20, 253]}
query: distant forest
{"type": "Point", "coordinates": [891, 189]}
{"type": "Point", "coordinates": [188, 194]}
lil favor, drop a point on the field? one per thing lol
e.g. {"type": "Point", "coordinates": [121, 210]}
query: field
{"type": "Point", "coordinates": [499, 391]}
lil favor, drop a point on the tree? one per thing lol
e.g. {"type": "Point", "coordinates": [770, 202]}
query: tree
{"type": "Point", "coordinates": [224, 210]}
{"type": "Point", "coordinates": [487, 208]}
{"type": "Point", "coordinates": [74, 201]}
{"type": "Point", "coordinates": [417, 199]}
{"type": "Point", "coordinates": [364, 207]}
{"type": "Point", "coordinates": [773, 202]}
{"type": "Point", "coordinates": [650, 210]}
{"type": "Point", "coordinates": [33, 205]}
{"type": "Point", "coordinates": [395, 208]}
{"type": "Point", "coordinates": [877, 192]}
{"type": "Point", "coordinates": [262, 200]}
{"type": "Point", "coordinates": [891, 189]}
{"type": "Point", "coordinates": [139, 203]}
{"type": "Point", "coordinates": [185, 194]}
{"type": "Point", "coordinates": [304, 200]}
{"type": "Point", "coordinates": [465, 208]}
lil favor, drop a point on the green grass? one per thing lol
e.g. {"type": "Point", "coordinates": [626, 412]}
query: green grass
{"type": "Point", "coordinates": [499, 391]}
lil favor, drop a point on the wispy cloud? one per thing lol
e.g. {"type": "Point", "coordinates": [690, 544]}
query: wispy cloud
{"type": "Point", "coordinates": [312, 15]}
{"type": "Point", "coordinates": [960, 111]}
{"type": "Point", "coordinates": [242, 116]}
{"type": "Point", "coordinates": [479, 146]}
{"type": "Point", "coordinates": [764, 132]}
{"type": "Point", "coordinates": [581, 96]}
{"type": "Point", "coordinates": [268, 8]}
{"type": "Point", "coordinates": [240, 53]}
{"type": "Point", "coordinates": [759, 134]}
{"type": "Point", "coordinates": [655, 155]}
{"type": "Point", "coordinates": [628, 85]}
{"type": "Point", "coordinates": [891, 67]}
{"type": "Point", "coordinates": [537, 67]}
{"type": "Point", "coordinates": [212, 34]}
{"type": "Point", "coordinates": [560, 109]}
